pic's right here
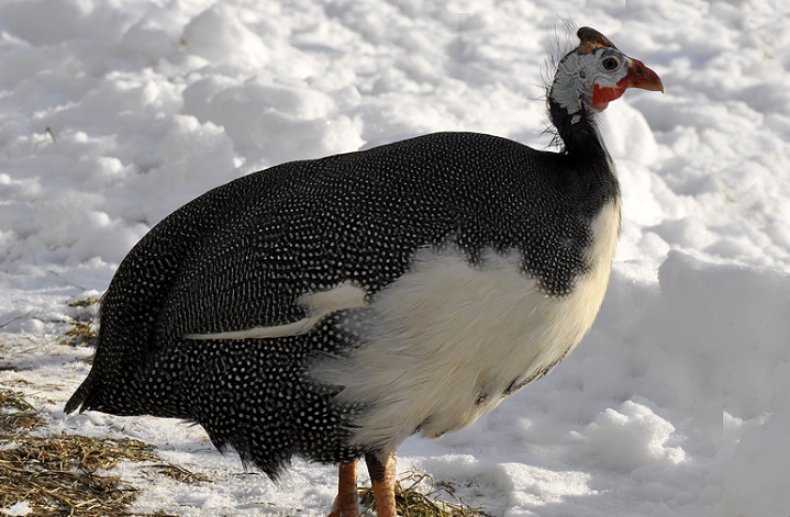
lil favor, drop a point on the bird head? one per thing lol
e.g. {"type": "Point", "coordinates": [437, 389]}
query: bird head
{"type": "Point", "coordinates": [596, 73]}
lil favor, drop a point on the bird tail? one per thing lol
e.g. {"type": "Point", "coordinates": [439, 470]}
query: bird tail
{"type": "Point", "coordinates": [79, 400]}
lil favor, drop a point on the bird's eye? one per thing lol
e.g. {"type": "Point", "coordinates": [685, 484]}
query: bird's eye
{"type": "Point", "coordinates": [610, 63]}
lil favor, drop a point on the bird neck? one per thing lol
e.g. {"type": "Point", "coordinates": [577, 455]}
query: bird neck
{"type": "Point", "coordinates": [581, 139]}
{"type": "Point", "coordinates": [570, 112]}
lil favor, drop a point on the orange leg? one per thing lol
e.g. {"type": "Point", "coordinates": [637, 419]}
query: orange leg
{"type": "Point", "coordinates": [346, 500]}
{"type": "Point", "coordinates": [382, 475]}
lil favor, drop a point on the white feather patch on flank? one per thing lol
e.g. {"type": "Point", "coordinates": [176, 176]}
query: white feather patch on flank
{"type": "Point", "coordinates": [318, 305]}
{"type": "Point", "coordinates": [446, 340]}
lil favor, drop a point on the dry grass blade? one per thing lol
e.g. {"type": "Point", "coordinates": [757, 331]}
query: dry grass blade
{"type": "Point", "coordinates": [13, 400]}
{"type": "Point", "coordinates": [16, 415]}
{"type": "Point", "coordinates": [56, 475]}
{"type": "Point", "coordinates": [179, 473]}
{"type": "Point", "coordinates": [82, 331]}
{"type": "Point", "coordinates": [412, 502]}
{"type": "Point", "coordinates": [85, 302]}
{"type": "Point", "coordinates": [80, 334]}
{"type": "Point", "coordinates": [14, 423]}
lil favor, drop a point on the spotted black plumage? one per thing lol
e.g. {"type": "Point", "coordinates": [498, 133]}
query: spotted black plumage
{"type": "Point", "coordinates": [243, 254]}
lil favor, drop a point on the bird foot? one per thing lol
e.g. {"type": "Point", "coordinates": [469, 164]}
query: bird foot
{"type": "Point", "coordinates": [343, 509]}
{"type": "Point", "coordinates": [346, 500]}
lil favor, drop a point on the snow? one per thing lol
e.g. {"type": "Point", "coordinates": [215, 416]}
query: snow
{"type": "Point", "coordinates": [114, 113]}
{"type": "Point", "coordinates": [17, 509]}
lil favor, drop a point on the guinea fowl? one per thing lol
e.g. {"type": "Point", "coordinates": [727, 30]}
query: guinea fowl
{"type": "Point", "coordinates": [328, 309]}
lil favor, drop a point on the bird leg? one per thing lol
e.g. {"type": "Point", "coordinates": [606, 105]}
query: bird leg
{"type": "Point", "coordinates": [346, 500]}
{"type": "Point", "coordinates": [382, 476]}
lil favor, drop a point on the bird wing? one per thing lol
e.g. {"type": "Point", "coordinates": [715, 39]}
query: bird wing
{"type": "Point", "coordinates": [290, 250]}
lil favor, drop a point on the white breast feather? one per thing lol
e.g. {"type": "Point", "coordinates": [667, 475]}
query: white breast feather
{"type": "Point", "coordinates": [445, 334]}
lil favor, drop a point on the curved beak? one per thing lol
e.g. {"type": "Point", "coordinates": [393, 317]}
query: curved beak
{"type": "Point", "coordinates": [640, 76]}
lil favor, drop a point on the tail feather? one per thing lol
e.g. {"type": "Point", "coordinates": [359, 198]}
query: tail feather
{"type": "Point", "coordinates": [79, 400]}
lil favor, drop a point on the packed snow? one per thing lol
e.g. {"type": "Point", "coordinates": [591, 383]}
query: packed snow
{"type": "Point", "coordinates": [114, 113]}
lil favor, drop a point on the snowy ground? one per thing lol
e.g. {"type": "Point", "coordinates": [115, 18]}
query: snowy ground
{"type": "Point", "coordinates": [114, 113]}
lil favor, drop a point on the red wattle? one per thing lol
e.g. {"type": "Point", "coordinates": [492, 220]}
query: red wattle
{"type": "Point", "coordinates": [602, 96]}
